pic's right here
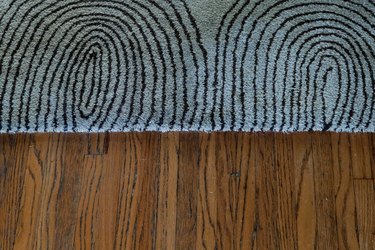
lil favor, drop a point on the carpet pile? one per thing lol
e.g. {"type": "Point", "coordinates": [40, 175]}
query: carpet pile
{"type": "Point", "coordinates": [187, 65]}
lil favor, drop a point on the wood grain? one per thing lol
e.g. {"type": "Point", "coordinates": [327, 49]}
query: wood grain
{"type": "Point", "coordinates": [187, 191]}
{"type": "Point", "coordinates": [344, 191]}
{"type": "Point", "coordinates": [365, 200]}
{"type": "Point", "coordinates": [304, 195]}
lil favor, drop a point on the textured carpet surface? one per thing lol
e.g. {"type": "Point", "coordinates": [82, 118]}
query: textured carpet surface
{"type": "Point", "coordinates": [259, 65]}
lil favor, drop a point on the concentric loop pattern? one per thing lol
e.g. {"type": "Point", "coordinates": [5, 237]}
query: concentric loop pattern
{"type": "Point", "coordinates": [296, 65]}
{"type": "Point", "coordinates": [100, 65]}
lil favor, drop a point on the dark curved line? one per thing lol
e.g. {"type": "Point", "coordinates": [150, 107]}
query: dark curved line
{"type": "Point", "coordinates": [297, 26]}
{"type": "Point", "coordinates": [95, 61]}
{"type": "Point", "coordinates": [315, 78]}
{"type": "Point", "coordinates": [216, 61]}
{"type": "Point", "coordinates": [68, 72]}
{"type": "Point", "coordinates": [91, 60]}
{"type": "Point", "coordinates": [308, 76]}
{"type": "Point", "coordinates": [205, 59]}
{"type": "Point", "coordinates": [74, 88]}
{"type": "Point", "coordinates": [74, 36]}
{"type": "Point", "coordinates": [57, 47]}
{"type": "Point", "coordinates": [313, 29]}
{"type": "Point", "coordinates": [170, 53]}
{"type": "Point", "coordinates": [304, 5]}
{"type": "Point", "coordinates": [82, 43]}
{"type": "Point", "coordinates": [40, 62]}
{"type": "Point", "coordinates": [195, 62]}
{"type": "Point", "coordinates": [87, 6]}
{"type": "Point", "coordinates": [35, 28]}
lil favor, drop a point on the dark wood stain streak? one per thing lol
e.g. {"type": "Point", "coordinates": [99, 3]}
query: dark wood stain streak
{"type": "Point", "coordinates": [187, 191]}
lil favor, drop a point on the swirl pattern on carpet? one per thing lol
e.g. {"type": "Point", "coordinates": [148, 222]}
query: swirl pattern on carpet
{"type": "Point", "coordinates": [262, 65]}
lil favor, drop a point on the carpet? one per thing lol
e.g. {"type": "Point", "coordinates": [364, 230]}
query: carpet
{"type": "Point", "coordinates": [187, 65]}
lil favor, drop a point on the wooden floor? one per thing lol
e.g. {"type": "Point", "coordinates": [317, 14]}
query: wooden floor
{"type": "Point", "coordinates": [187, 191]}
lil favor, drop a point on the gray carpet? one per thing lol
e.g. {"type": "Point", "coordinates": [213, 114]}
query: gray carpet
{"type": "Point", "coordinates": [187, 65]}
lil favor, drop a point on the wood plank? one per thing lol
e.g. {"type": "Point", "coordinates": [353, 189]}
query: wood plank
{"type": "Point", "coordinates": [362, 157]}
{"type": "Point", "coordinates": [235, 191]}
{"type": "Point", "coordinates": [275, 193]}
{"type": "Point", "coordinates": [304, 191]}
{"type": "Point", "coordinates": [365, 204]}
{"type": "Point", "coordinates": [344, 191]}
{"type": "Point", "coordinates": [14, 150]}
{"type": "Point", "coordinates": [266, 200]}
{"type": "Point", "coordinates": [187, 191]}
{"type": "Point", "coordinates": [372, 153]}
{"type": "Point", "coordinates": [167, 197]}
{"type": "Point", "coordinates": [138, 193]}
{"type": "Point", "coordinates": [228, 173]}
{"type": "Point", "coordinates": [246, 223]}
{"type": "Point", "coordinates": [285, 183]}
{"type": "Point", "coordinates": [120, 168]}
{"type": "Point", "coordinates": [87, 225]}
{"type": "Point", "coordinates": [40, 193]}
{"type": "Point", "coordinates": [207, 193]}
{"type": "Point", "coordinates": [326, 226]}
{"type": "Point", "coordinates": [66, 188]}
